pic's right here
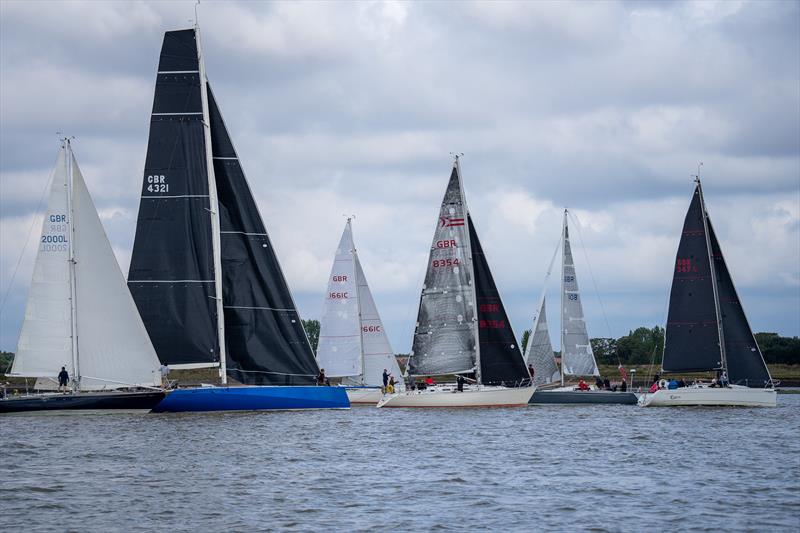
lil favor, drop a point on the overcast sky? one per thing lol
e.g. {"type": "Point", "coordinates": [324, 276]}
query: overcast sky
{"type": "Point", "coordinates": [603, 107]}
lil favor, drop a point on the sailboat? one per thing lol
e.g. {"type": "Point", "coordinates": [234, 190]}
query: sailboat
{"type": "Point", "coordinates": [462, 327]}
{"type": "Point", "coordinates": [707, 329]}
{"type": "Point", "coordinates": [577, 357]}
{"type": "Point", "coordinates": [352, 341]}
{"type": "Point", "coordinates": [79, 314]}
{"type": "Point", "coordinates": [203, 272]}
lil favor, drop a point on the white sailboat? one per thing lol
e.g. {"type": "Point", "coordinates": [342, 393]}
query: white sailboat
{"type": "Point", "coordinates": [352, 341]}
{"type": "Point", "coordinates": [577, 357]}
{"type": "Point", "coordinates": [707, 329]}
{"type": "Point", "coordinates": [462, 327]}
{"type": "Point", "coordinates": [80, 314]}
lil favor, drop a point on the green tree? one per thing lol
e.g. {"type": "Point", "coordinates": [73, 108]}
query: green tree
{"type": "Point", "coordinates": [777, 349]}
{"type": "Point", "coordinates": [6, 358]}
{"type": "Point", "coordinates": [641, 346]}
{"type": "Point", "coordinates": [605, 350]}
{"type": "Point", "coordinates": [312, 330]}
{"type": "Point", "coordinates": [526, 335]}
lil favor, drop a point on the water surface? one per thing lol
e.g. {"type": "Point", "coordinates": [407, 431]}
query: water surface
{"type": "Point", "coordinates": [606, 468]}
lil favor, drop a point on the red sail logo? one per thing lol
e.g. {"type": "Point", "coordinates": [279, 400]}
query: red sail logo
{"type": "Point", "coordinates": [451, 222]}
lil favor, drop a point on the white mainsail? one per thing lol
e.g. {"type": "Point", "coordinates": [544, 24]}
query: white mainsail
{"type": "Point", "coordinates": [45, 340]}
{"type": "Point", "coordinates": [112, 349]}
{"type": "Point", "coordinates": [339, 348]}
{"type": "Point", "coordinates": [352, 342]}
{"type": "Point", "coordinates": [378, 353]}
{"type": "Point", "coordinates": [577, 358]}
{"type": "Point", "coordinates": [539, 351]}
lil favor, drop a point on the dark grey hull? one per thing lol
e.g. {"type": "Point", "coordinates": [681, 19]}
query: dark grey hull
{"type": "Point", "coordinates": [583, 397]}
{"type": "Point", "coordinates": [82, 401]}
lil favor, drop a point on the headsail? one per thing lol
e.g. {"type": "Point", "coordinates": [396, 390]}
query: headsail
{"type": "Point", "coordinates": [577, 358]}
{"type": "Point", "coordinates": [45, 341]}
{"type": "Point", "coordinates": [114, 349]}
{"type": "Point", "coordinates": [265, 340]}
{"type": "Point", "coordinates": [378, 353]}
{"type": "Point", "coordinates": [692, 339]}
{"type": "Point", "coordinates": [445, 336]}
{"type": "Point", "coordinates": [500, 357]}
{"type": "Point", "coordinates": [339, 349]}
{"type": "Point", "coordinates": [745, 363]}
{"type": "Point", "coordinates": [171, 274]}
{"type": "Point", "coordinates": [539, 351]}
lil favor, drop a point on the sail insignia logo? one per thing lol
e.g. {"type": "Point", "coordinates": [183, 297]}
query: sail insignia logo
{"type": "Point", "coordinates": [447, 222]}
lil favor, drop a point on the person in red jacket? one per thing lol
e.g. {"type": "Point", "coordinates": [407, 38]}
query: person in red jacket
{"type": "Point", "coordinates": [582, 385]}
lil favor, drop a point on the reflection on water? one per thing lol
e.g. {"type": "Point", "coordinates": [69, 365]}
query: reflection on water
{"type": "Point", "coordinates": [609, 468]}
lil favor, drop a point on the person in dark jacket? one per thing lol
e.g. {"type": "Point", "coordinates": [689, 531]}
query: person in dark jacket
{"type": "Point", "coordinates": [63, 379]}
{"type": "Point", "coordinates": [623, 386]}
{"type": "Point", "coordinates": [321, 379]}
{"type": "Point", "coordinates": [460, 383]}
{"type": "Point", "coordinates": [385, 380]}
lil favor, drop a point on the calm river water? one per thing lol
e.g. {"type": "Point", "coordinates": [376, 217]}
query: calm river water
{"type": "Point", "coordinates": [605, 468]}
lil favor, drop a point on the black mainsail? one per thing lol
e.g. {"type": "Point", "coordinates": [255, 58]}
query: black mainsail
{"type": "Point", "coordinates": [706, 325]}
{"type": "Point", "coordinates": [171, 273]}
{"type": "Point", "coordinates": [203, 273]}
{"type": "Point", "coordinates": [462, 326]}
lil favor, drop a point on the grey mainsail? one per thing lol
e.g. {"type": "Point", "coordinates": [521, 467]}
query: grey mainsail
{"type": "Point", "coordinates": [445, 336]}
{"type": "Point", "coordinates": [577, 358]}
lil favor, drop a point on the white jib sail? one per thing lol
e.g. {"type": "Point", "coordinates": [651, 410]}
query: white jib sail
{"type": "Point", "coordinates": [45, 341]}
{"type": "Point", "coordinates": [378, 354]}
{"type": "Point", "coordinates": [577, 358]}
{"type": "Point", "coordinates": [539, 351]}
{"type": "Point", "coordinates": [114, 349]}
{"type": "Point", "coordinates": [339, 348]}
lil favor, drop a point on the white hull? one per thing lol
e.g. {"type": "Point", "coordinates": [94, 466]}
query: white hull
{"type": "Point", "coordinates": [448, 396]}
{"type": "Point", "coordinates": [734, 395]}
{"type": "Point", "coordinates": [364, 395]}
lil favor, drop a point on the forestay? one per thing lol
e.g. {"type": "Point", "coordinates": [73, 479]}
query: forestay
{"type": "Point", "coordinates": [539, 350]}
{"type": "Point", "coordinates": [577, 358]}
{"type": "Point", "coordinates": [445, 334]}
{"type": "Point", "coordinates": [339, 348]}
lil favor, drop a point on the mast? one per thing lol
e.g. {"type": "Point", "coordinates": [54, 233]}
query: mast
{"type": "Point", "coordinates": [73, 303]}
{"type": "Point", "coordinates": [358, 302]}
{"type": "Point", "coordinates": [561, 320]}
{"type": "Point", "coordinates": [214, 211]}
{"type": "Point", "coordinates": [457, 164]}
{"type": "Point", "coordinates": [714, 287]}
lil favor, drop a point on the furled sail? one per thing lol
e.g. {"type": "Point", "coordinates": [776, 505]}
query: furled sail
{"type": "Point", "coordinates": [745, 362]}
{"type": "Point", "coordinates": [378, 353]}
{"type": "Point", "coordinates": [339, 348]}
{"type": "Point", "coordinates": [265, 340]}
{"type": "Point", "coordinates": [445, 335]}
{"type": "Point", "coordinates": [500, 357]}
{"type": "Point", "coordinates": [692, 338]}
{"type": "Point", "coordinates": [539, 351]}
{"type": "Point", "coordinates": [577, 358]}
{"type": "Point", "coordinates": [45, 341]}
{"type": "Point", "coordinates": [171, 273]}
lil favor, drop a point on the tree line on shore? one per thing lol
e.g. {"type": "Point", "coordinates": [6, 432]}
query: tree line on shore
{"type": "Point", "coordinates": [640, 346]}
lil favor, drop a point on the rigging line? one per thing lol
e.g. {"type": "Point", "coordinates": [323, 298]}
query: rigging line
{"type": "Point", "coordinates": [28, 238]}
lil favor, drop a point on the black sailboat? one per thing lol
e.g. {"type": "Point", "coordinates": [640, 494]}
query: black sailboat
{"type": "Point", "coordinates": [462, 326]}
{"type": "Point", "coordinates": [203, 271]}
{"type": "Point", "coordinates": [707, 329]}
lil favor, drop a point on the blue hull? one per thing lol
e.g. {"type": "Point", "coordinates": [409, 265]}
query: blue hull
{"type": "Point", "coordinates": [252, 399]}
